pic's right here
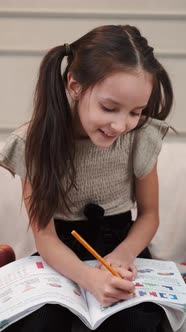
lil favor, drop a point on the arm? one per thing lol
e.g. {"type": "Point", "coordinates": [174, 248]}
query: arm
{"type": "Point", "coordinates": [105, 287]}
{"type": "Point", "coordinates": [147, 221]}
{"type": "Point", "coordinates": [54, 251]}
{"type": "Point", "coordinates": [145, 226]}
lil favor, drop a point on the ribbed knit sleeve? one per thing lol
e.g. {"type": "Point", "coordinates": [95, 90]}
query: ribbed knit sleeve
{"type": "Point", "coordinates": [147, 144]}
{"type": "Point", "coordinates": [13, 152]}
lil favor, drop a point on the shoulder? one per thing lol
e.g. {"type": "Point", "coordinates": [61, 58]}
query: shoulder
{"type": "Point", "coordinates": [146, 145]}
{"type": "Point", "coordinates": [153, 129]}
{"type": "Point", "coordinates": [20, 133]}
{"type": "Point", "coordinates": [13, 152]}
{"type": "Point", "coordinates": [16, 139]}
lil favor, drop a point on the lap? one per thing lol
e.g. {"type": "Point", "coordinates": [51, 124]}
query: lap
{"type": "Point", "coordinates": [111, 231]}
{"type": "Point", "coordinates": [49, 318]}
{"type": "Point", "coordinates": [144, 317]}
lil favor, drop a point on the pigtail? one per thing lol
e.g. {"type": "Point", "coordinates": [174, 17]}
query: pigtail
{"type": "Point", "coordinates": [161, 99]}
{"type": "Point", "coordinates": [166, 94]}
{"type": "Point", "coordinates": [49, 152]}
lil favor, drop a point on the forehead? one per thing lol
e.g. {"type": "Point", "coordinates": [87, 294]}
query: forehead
{"type": "Point", "coordinates": [132, 88]}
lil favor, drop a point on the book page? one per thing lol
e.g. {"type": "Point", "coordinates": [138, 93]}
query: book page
{"type": "Point", "coordinates": [157, 281]}
{"type": "Point", "coordinates": [29, 283]}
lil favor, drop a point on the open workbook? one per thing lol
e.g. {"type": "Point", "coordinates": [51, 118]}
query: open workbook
{"type": "Point", "coordinates": [29, 283]}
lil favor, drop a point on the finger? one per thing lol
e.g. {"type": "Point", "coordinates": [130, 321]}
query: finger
{"type": "Point", "coordinates": [134, 271]}
{"type": "Point", "coordinates": [123, 285]}
{"type": "Point", "coordinates": [109, 301]}
{"type": "Point", "coordinates": [116, 297]}
{"type": "Point", "coordinates": [100, 266]}
{"type": "Point", "coordinates": [121, 295]}
{"type": "Point", "coordinates": [124, 273]}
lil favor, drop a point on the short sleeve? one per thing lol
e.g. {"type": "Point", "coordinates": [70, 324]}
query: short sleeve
{"type": "Point", "coordinates": [147, 145]}
{"type": "Point", "coordinates": [13, 152]}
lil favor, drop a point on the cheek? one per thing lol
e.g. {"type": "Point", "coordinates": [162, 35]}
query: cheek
{"type": "Point", "coordinates": [83, 112]}
{"type": "Point", "coordinates": [93, 117]}
{"type": "Point", "coordinates": [133, 122]}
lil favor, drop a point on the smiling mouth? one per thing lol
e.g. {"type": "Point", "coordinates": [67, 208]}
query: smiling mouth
{"type": "Point", "coordinates": [107, 134]}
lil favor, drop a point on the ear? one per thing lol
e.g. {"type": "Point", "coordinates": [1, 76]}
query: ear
{"type": "Point", "coordinates": [73, 87]}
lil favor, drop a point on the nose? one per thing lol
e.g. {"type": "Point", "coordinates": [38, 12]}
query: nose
{"type": "Point", "coordinates": [119, 125]}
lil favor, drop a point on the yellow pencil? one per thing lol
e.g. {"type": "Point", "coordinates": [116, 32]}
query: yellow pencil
{"type": "Point", "coordinates": [94, 253]}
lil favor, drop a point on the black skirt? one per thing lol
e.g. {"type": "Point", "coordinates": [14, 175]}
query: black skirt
{"type": "Point", "coordinates": [103, 233]}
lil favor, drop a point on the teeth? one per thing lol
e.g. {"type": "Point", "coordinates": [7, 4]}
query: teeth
{"type": "Point", "coordinates": [109, 134]}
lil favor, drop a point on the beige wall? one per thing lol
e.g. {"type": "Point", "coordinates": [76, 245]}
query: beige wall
{"type": "Point", "coordinates": [29, 28]}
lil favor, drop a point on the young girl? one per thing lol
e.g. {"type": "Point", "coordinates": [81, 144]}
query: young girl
{"type": "Point", "coordinates": [86, 157]}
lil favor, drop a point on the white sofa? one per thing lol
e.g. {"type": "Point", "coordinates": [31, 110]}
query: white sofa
{"type": "Point", "coordinates": [169, 242]}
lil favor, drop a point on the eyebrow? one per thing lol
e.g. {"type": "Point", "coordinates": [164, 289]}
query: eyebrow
{"type": "Point", "coordinates": [116, 102]}
{"type": "Point", "coordinates": [111, 100]}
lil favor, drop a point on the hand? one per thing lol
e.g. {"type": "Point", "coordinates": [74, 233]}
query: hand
{"type": "Point", "coordinates": [121, 260]}
{"type": "Point", "coordinates": [107, 288]}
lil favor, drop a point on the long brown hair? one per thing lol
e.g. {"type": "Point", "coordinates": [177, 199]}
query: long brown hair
{"type": "Point", "coordinates": [50, 144]}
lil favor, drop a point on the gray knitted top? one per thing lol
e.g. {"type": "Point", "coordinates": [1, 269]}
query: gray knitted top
{"type": "Point", "coordinates": [105, 176]}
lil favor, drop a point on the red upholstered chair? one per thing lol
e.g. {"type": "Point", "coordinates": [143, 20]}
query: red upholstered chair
{"type": "Point", "coordinates": [7, 254]}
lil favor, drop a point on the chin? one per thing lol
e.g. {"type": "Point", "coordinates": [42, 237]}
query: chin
{"type": "Point", "coordinates": [103, 145]}
{"type": "Point", "coordinates": [100, 141]}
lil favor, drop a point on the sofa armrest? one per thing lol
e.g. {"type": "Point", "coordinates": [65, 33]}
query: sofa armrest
{"type": "Point", "coordinates": [7, 254]}
{"type": "Point", "coordinates": [13, 216]}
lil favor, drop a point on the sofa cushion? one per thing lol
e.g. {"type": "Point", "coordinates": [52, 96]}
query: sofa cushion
{"type": "Point", "coordinates": [169, 242]}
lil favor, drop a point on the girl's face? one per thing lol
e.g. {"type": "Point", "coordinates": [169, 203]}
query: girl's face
{"type": "Point", "coordinates": [113, 107]}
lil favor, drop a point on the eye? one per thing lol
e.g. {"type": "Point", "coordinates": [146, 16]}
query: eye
{"type": "Point", "coordinates": [106, 109]}
{"type": "Point", "coordinates": [137, 114]}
